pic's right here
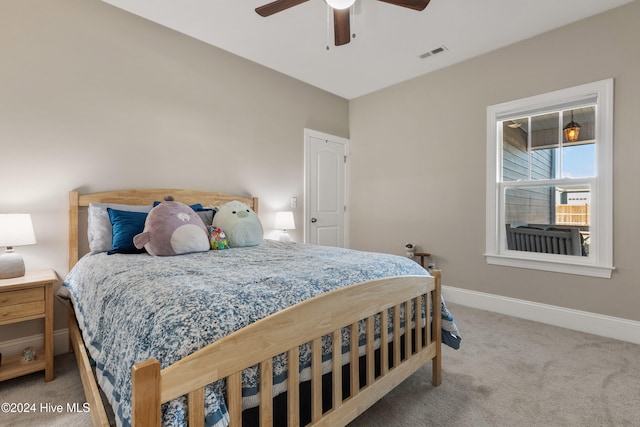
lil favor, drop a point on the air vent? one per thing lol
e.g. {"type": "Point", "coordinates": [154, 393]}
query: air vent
{"type": "Point", "coordinates": [435, 51]}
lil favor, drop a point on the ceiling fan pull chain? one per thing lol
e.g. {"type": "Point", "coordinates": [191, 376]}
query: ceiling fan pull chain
{"type": "Point", "coordinates": [329, 26]}
{"type": "Point", "coordinates": [352, 11]}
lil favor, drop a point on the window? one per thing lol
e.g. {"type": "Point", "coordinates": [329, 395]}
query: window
{"type": "Point", "coordinates": [549, 181]}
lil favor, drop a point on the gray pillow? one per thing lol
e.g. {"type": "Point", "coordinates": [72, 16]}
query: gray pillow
{"type": "Point", "coordinates": [99, 230]}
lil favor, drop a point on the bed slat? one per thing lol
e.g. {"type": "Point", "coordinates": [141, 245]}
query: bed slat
{"type": "Point", "coordinates": [428, 308]}
{"type": "Point", "coordinates": [234, 398]}
{"type": "Point", "coordinates": [384, 340]}
{"type": "Point", "coordinates": [266, 392]}
{"type": "Point", "coordinates": [354, 360]}
{"type": "Point", "coordinates": [417, 304]}
{"type": "Point", "coordinates": [396, 336]}
{"type": "Point", "coordinates": [316, 379]}
{"type": "Point", "coordinates": [293, 390]}
{"type": "Point", "coordinates": [407, 329]}
{"type": "Point", "coordinates": [371, 373]}
{"type": "Point", "coordinates": [196, 408]}
{"type": "Point", "coordinates": [336, 367]}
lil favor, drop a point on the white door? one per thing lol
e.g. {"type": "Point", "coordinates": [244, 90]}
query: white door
{"type": "Point", "coordinates": [325, 189]}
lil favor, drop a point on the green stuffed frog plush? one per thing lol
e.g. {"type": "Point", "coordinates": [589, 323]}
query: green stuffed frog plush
{"type": "Point", "coordinates": [240, 224]}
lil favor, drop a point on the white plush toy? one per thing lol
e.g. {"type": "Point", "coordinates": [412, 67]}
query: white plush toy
{"type": "Point", "coordinates": [240, 223]}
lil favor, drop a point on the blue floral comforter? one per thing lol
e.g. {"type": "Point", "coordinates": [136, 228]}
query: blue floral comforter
{"type": "Point", "coordinates": [133, 307]}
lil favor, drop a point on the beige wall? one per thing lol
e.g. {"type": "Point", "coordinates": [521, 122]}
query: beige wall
{"type": "Point", "coordinates": [93, 98]}
{"type": "Point", "coordinates": [418, 163]}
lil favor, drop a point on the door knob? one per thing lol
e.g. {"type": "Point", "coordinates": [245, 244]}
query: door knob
{"type": "Point", "coordinates": [314, 219]}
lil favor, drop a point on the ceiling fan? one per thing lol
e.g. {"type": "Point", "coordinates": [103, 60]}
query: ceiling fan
{"type": "Point", "coordinates": [341, 24]}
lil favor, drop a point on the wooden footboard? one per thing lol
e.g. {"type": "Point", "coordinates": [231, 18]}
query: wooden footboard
{"type": "Point", "coordinates": [284, 332]}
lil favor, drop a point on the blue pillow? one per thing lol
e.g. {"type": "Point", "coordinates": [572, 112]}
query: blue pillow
{"type": "Point", "coordinates": [125, 225]}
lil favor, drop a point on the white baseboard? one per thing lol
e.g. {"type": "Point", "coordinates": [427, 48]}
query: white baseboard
{"type": "Point", "coordinates": [15, 347]}
{"type": "Point", "coordinates": [583, 321]}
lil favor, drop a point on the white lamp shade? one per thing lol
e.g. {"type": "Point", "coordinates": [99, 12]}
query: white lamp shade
{"type": "Point", "coordinates": [16, 230]}
{"type": "Point", "coordinates": [340, 4]}
{"type": "Point", "coordinates": [284, 221]}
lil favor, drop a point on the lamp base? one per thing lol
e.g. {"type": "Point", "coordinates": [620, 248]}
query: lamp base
{"type": "Point", "coordinates": [284, 236]}
{"type": "Point", "coordinates": [11, 265]}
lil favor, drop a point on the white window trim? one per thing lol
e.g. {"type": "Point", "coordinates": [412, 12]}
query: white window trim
{"type": "Point", "coordinates": [599, 263]}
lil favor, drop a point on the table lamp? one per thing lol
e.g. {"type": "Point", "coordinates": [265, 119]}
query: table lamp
{"type": "Point", "coordinates": [284, 222]}
{"type": "Point", "coordinates": [15, 230]}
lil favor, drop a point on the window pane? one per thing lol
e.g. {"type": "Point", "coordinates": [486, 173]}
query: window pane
{"type": "Point", "coordinates": [544, 146]}
{"type": "Point", "coordinates": [578, 157]}
{"type": "Point", "coordinates": [529, 205]}
{"type": "Point", "coordinates": [531, 157]}
{"type": "Point", "coordinates": [515, 158]}
{"type": "Point", "coordinates": [579, 161]}
{"type": "Point", "coordinates": [539, 217]}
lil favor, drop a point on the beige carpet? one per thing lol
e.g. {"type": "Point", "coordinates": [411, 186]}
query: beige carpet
{"type": "Point", "coordinates": [508, 372]}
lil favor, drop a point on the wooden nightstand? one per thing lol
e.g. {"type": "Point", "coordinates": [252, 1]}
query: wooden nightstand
{"type": "Point", "coordinates": [26, 298]}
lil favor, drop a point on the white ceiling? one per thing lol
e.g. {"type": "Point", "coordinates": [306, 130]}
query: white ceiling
{"type": "Point", "coordinates": [389, 39]}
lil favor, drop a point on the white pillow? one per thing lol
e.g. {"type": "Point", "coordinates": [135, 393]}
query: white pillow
{"type": "Point", "coordinates": [99, 230]}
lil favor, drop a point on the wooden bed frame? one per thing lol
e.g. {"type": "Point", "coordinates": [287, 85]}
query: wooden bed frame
{"type": "Point", "coordinates": [283, 332]}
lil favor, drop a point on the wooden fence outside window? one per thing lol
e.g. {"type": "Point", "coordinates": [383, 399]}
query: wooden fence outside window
{"type": "Point", "coordinates": [572, 215]}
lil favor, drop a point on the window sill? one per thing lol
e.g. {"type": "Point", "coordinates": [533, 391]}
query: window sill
{"type": "Point", "coordinates": [553, 265]}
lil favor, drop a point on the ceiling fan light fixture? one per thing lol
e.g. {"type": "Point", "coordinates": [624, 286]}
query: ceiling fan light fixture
{"type": "Point", "coordinates": [341, 15]}
{"type": "Point", "coordinates": [340, 4]}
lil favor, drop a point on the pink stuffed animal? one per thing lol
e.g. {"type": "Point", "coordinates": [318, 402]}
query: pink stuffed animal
{"type": "Point", "coordinates": [173, 228]}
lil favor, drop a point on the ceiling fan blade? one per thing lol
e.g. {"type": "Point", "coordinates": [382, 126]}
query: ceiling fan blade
{"type": "Point", "coordinates": [411, 4]}
{"type": "Point", "coordinates": [277, 6]}
{"type": "Point", "coordinates": [341, 26]}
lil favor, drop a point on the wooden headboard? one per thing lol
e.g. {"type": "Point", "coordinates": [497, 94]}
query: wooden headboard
{"type": "Point", "coordinates": [141, 197]}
